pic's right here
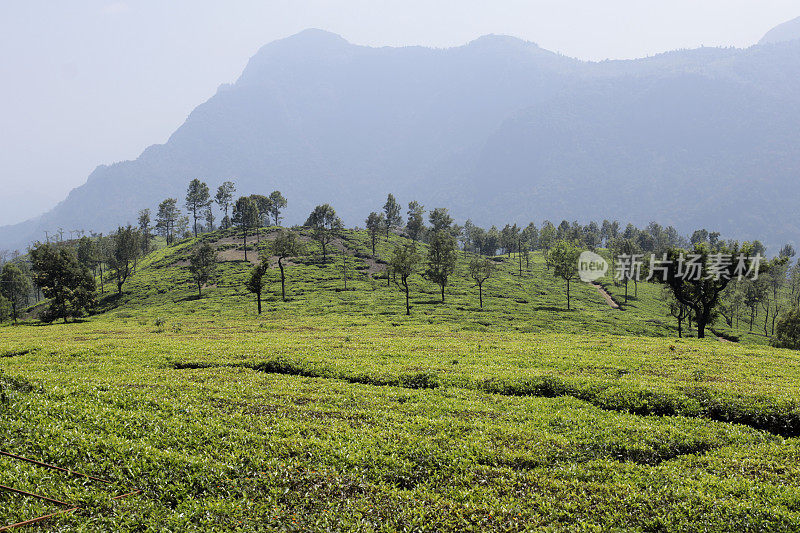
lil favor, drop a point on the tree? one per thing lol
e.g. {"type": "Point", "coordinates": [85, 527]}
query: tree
{"type": "Point", "coordinates": [627, 252]}
{"type": "Point", "coordinates": [440, 220]}
{"type": "Point", "coordinates": [255, 283]}
{"type": "Point", "coordinates": [509, 238]}
{"type": "Point", "coordinates": [563, 257]}
{"type": "Point", "coordinates": [5, 312]}
{"type": "Point", "coordinates": [144, 229]}
{"type": "Point", "coordinates": [676, 310]}
{"type": "Point", "coordinates": [67, 284]}
{"type": "Point", "coordinates": [392, 211]}
{"type": "Point", "coordinates": [754, 291]}
{"type": "Point", "coordinates": [375, 223]}
{"type": "Point", "coordinates": [481, 269]}
{"type": "Point", "coordinates": [14, 287]}
{"type": "Point", "coordinates": [264, 205]}
{"type": "Point", "coordinates": [284, 246]}
{"type": "Point", "coordinates": [277, 205]}
{"type": "Point", "coordinates": [702, 293]}
{"type": "Point", "coordinates": [203, 265]}
{"type": "Point", "coordinates": [124, 251]}
{"type": "Point", "coordinates": [224, 199]}
{"type": "Point", "coordinates": [416, 223]}
{"type": "Point", "coordinates": [197, 198]}
{"type": "Point", "coordinates": [325, 224]}
{"type": "Point", "coordinates": [787, 332]}
{"type": "Point", "coordinates": [167, 218]}
{"type": "Point", "coordinates": [245, 216]}
{"type": "Point", "coordinates": [403, 263]}
{"type": "Point", "coordinates": [87, 253]}
{"type": "Point", "coordinates": [441, 259]}
{"type": "Point", "coordinates": [547, 235]}
{"type": "Point", "coordinates": [209, 216]}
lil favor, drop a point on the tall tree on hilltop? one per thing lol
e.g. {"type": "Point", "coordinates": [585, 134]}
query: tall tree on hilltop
{"type": "Point", "coordinates": [264, 205]}
{"type": "Point", "coordinates": [245, 217]}
{"type": "Point", "coordinates": [392, 211]}
{"type": "Point", "coordinates": [167, 218]}
{"type": "Point", "coordinates": [416, 223]}
{"type": "Point", "coordinates": [375, 223]}
{"type": "Point", "coordinates": [325, 224]}
{"type": "Point", "coordinates": [197, 198]}
{"type": "Point", "coordinates": [224, 199]}
{"type": "Point", "coordinates": [277, 205]}
{"type": "Point", "coordinates": [440, 220]}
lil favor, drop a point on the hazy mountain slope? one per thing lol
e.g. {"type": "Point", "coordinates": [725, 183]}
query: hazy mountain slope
{"type": "Point", "coordinates": [497, 130]}
{"type": "Point", "coordinates": [787, 31]}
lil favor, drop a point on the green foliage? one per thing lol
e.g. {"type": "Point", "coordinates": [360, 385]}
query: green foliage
{"type": "Point", "coordinates": [563, 257]}
{"type": "Point", "coordinates": [325, 224]}
{"type": "Point", "coordinates": [391, 210]}
{"type": "Point", "coordinates": [375, 223]}
{"type": "Point", "coordinates": [787, 332]}
{"type": "Point", "coordinates": [203, 265]}
{"type": "Point", "coordinates": [69, 286]}
{"type": "Point", "coordinates": [403, 264]}
{"type": "Point", "coordinates": [701, 293]}
{"type": "Point", "coordinates": [198, 197]}
{"type": "Point", "coordinates": [416, 223]}
{"type": "Point", "coordinates": [441, 258]}
{"type": "Point", "coordinates": [124, 252]}
{"type": "Point", "coordinates": [14, 287]}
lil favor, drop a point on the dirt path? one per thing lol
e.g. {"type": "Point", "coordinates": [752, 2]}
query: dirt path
{"type": "Point", "coordinates": [607, 297]}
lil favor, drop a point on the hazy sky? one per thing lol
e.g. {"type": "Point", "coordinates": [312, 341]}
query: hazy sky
{"type": "Point", "coordinates": [87, 82]}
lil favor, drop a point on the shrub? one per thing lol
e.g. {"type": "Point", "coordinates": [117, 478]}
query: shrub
{"type": "Point", "coordinates": [787, 332]}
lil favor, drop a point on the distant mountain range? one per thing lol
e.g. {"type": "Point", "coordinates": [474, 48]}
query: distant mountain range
{"type": "Point", "coordinates": [498, 130]}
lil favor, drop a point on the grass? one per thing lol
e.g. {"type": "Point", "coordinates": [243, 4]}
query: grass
{"type": "Point", "coordinates": [335, 411]}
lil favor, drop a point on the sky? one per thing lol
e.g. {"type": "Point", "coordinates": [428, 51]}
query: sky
{"type": "Point", "coordinates": [91, 82]}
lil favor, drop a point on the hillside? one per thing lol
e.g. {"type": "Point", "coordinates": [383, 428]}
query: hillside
{"type": "Point", "coordinates": [498, 128]}
{"type": "Point", "coordinates": [336, 411]}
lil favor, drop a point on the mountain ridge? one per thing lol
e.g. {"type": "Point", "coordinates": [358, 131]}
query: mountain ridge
{"type": "Point", "coordinates": [327, 121]}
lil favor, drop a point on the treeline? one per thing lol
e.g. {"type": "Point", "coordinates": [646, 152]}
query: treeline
{"type": "Point", "coordinates": [89, 263]}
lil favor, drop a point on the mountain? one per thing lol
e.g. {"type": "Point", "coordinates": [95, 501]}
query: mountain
{"type": "Point", "coordinates": [788, 31]}
{"type": "Point", "coordinates": [499, 130]}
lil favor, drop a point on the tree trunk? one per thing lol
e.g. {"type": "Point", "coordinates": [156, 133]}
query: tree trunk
{"type": "Point", "coordinates": [766, 323]}
{"type": "Point", "coordinates": [194, 216]}
{"type": "Point", "coordinates": [567, 295]}
{"type": "Point", "coordinates": [408, 306]}
{"type": "Point", "coordinates": [283, 281]}
{"type": "Point", "coordinates": [199, 289]}
{"type": "Point", "coordinates": [258, 297]}
{"type": "Point", "coordinates": [480, 293]}
{"type": "Point", "coordinates": [14, 310]}
{"type": "Point", "coordinates": [680, 329]}
{"type": "Point", "coordinates": [442, 292]}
